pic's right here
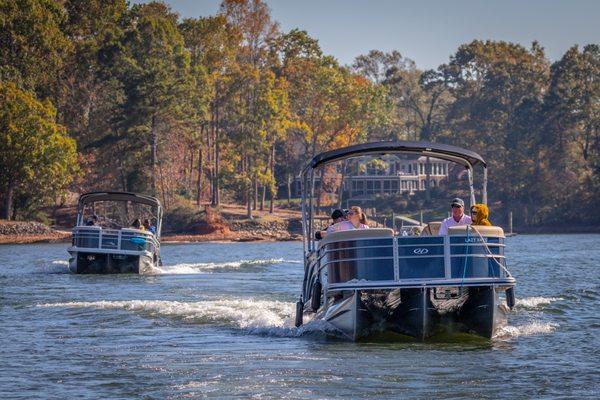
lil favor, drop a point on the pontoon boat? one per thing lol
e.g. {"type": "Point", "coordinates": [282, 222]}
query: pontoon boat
{"type": "Point", "coordinates": [412, 282]}
{"type": "Point", "coordinates": [104, 240]}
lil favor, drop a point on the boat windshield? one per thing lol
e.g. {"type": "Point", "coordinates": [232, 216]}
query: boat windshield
{"type": "Point", "coordinates": [402, 191]}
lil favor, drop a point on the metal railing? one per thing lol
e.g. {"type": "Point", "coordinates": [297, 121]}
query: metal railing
{"type": "Point", "coordinates": [114, 240]}
{"type": "Point", "coordinates": [416, 257]}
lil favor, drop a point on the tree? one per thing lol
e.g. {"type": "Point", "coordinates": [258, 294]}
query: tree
{"type": "Point", "coordinates": [571, 131]}
{"type": "Point", "coordinates": [32, 46]}
{"type": "Point", "coordinates": [37, 158]}
{"type": "Point", "coordinates": [492, 84]}
{"type": "Point", "coordinates": [154, 68]}
{"type": "Point", "coordinates": [213, 46]}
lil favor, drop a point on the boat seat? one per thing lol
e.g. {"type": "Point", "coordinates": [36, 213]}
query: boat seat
{"type": "Point", "coordinates": [432, 229]}
{"type": "Point", "coordinates": [493, 231]}
{"type": "Point", "coordinates": [357, 234]}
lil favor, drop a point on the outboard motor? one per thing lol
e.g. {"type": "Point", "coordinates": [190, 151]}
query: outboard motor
{"type": "Point", "coordinates": [299, 313]}
{"type": "Point", "coordinates": [510, 297]}
{"type": "Point", "coordinates": [315, 298]}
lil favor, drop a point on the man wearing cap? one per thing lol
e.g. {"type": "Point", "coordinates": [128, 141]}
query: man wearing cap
{"type": "Point", "coordinates": [458, 217]}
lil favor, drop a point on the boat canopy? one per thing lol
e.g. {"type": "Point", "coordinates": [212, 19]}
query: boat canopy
{"type": "Point", "coordinates": [444, 151]}
{"type": "Point", "coordinates": [466, 158]}
{"type": "Point", "coordinates": [126, 197]}
{"type": "Point", "coordinates": [118, 196]}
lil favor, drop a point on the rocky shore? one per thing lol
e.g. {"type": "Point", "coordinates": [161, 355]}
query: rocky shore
{"type": "Point", "coordinates": [17, 232]}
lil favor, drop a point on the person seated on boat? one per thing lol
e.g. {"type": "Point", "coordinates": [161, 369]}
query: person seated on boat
{"type": "Point", "coordinates": [93, 221]}
{"type": "Point", "coordinates": [458, 217]}
{"type": "Point", "coordinates": [146, 225]}
{"type": "Point", "coordinates": [137, 224]}
{"type": "Point", "coordinates": [337, 216]}
{"type": "Point", "coordinates": [480, 214]}
{"type": "Point", "coordinates": [356, 219]}
{"type": "Point", "coordinates": [151, 226]}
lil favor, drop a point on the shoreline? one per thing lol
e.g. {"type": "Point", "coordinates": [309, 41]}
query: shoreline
{"type": "Point", "coordinates": [232, 237]}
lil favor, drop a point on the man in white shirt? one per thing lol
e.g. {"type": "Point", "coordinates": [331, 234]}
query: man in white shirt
{"type": "Point", "coordinates": [458, 217]}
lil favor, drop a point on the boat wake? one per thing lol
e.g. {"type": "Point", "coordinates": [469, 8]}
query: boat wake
{"type": "Point", "coordinates": [54, 267]}
{"type": "Point", "coordinates": [270, 317]}
{"type": "Point", "coordinates": [229, 266]}
{"type": "Point", "coordinates": [532, 308]}
{"type": "Point", "coordinates": [535, 303]}
{"type": "Point", "coordinates": [527, 329]}
{"type": "Point", "coordinates": [253, 316]}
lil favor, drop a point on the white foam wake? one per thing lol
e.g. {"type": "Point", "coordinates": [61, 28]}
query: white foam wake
{"type": "Point", "coordinates": [527, 329]}
{"type": "Point", "coordinates": [242, 313]}
{"type": "Point", "coordinates": [196, 268]}
{"type": "Point", "coordinates": [261, 317]}
{"type": "Point", "coordinates": [533, 303]}
{"type": "Point", "coordinates": [55, 267]}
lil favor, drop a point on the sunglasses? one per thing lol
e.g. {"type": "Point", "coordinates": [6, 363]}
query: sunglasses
{"type": "Point", "coordinates": [473, 211]}
{"type": "Point", "coordinates": [456, 206]}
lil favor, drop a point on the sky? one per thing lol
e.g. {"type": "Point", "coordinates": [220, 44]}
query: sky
{"type": "Point", "coordinates": [426, 31]}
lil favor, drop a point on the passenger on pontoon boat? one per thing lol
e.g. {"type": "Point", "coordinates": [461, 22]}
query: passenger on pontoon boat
{"type": "Point", "coordinates": [480, 214]}
{"type": "Point", "coordinates": [458, 217]}
{"type": "Point", "coordinates": [337, 216]}
{"type": "Point", "coordinates": [137, 224]}
{"type": "Point", "coordinates": [150, 226]}
{"type": "Point", "coordinates": [93, 221]}
{"type": "Point", "coordinates": [356, 220]}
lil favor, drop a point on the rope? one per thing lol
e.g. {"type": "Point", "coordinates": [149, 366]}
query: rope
{"type": "Point", "coordinates": [490, 252]}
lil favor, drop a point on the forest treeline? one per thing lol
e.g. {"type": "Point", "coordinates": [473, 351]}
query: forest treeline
{"type": "Point", "coordinates": [99, 94]}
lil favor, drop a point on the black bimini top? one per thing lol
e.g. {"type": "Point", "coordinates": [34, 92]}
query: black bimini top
{"type": "Point", "coordinates": [443, 151]}
{"type": "Point", "coordinates": [118, 196]}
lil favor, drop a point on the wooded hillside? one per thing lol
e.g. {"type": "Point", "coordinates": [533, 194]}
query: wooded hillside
{"type": "Point", "coordinates": [97, 94]}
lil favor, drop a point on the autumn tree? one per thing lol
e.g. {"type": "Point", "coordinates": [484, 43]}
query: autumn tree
{"type": "Point", "coordinates": [154, 68]}
{"type": "Point", "coordinates": [213, 45]}
{"type": "Point", "coordinates": [37, 158]}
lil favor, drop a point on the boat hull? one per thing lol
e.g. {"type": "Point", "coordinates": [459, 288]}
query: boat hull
{"type": "Point", "coordinates": [109, 263]}
{"type": "Point", "coordinates": [417, 313]}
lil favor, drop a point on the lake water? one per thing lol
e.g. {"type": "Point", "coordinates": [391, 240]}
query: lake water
{"type": "Point", "coordinates": [217, 321]}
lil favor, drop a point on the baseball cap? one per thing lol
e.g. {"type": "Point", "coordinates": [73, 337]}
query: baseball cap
{"type": "Point", "coordinates": [457, 202]}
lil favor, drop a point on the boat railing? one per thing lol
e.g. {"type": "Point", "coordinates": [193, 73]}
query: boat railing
{"type": "Point", "coordinates": [114, 240]}
{"type": "Point", "coordinates": [379, 258]}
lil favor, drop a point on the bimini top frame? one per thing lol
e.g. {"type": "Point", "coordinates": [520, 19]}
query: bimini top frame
{"type": "Point", "coordinates": [467, 158]}
{"type": "Point", "coordinates": [92, 197]}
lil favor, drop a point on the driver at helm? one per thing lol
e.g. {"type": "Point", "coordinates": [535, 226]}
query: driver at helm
{"type": "Point", "coordinates": [458, 217]}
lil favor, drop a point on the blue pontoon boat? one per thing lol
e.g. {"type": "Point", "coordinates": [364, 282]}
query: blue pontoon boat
{"type": "Point", "coordinates": [414, 283]}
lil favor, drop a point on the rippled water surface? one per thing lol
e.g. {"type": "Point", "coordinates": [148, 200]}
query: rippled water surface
{"type": "Point", "coordinates": [217, 321]}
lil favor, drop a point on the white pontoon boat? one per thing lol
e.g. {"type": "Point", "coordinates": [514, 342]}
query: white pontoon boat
{"type": "Point", "coordinates": [104, 240]}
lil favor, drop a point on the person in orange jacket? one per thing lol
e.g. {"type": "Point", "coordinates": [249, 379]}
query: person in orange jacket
{"type": "Point", "coordinates": [480, 214]}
